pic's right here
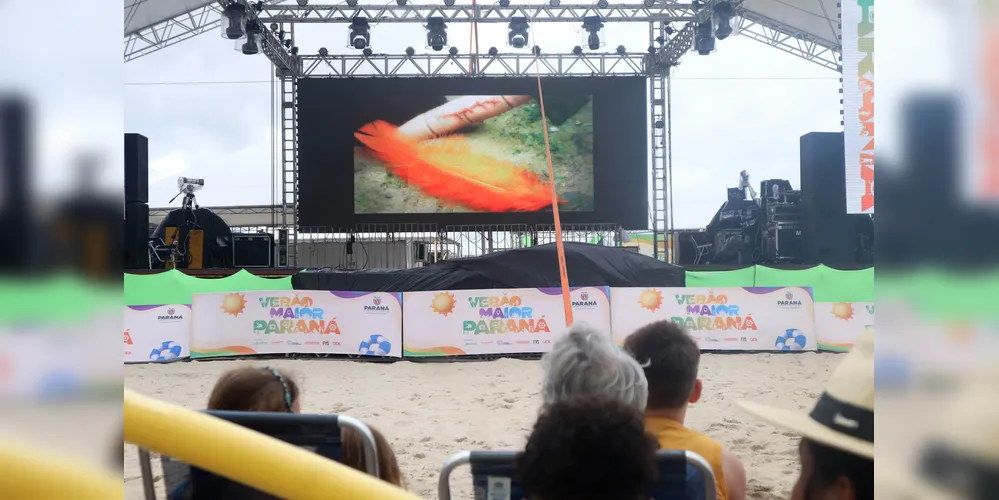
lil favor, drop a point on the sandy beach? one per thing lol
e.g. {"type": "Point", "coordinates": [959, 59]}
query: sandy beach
{"type": "Point", "coordinates": [429, 411]}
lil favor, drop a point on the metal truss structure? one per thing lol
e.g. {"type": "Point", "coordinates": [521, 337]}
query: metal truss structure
{"type": "Point", "coordinates": [279, 19]}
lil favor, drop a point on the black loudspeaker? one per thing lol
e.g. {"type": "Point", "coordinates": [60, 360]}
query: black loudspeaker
{"type": "Point", "coordinates": [253, 250]}
{"type": "Point", "coordinates": [828, 232]}
{"type": "Point", "coordinates": [136, 235]}
{"type": "Point", "coordinates": [136, 168]}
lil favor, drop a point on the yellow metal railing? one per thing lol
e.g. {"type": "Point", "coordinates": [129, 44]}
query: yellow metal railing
{"type": "Point", "coordinates": [26, 472]}
{"type": "Point", "coordinates": [245, 456]}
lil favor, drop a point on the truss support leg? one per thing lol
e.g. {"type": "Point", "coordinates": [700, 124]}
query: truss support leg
{"type": "Point", "coordinates": [289, 166]}
{"type": "Point", "coordinates": [657, 129]}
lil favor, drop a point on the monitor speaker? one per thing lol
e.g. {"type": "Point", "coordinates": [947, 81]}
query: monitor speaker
{"type": "Point", "coordinates": [828, 232]}
{"type": "Point", "coordinates": [136, 247]}
{"type": "Point", "coordinates": [136, 168]}
{"type": "Point", "coordinates": [253, 250]}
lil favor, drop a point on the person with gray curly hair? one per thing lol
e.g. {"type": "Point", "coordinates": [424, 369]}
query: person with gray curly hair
{"type": "Point", "coordinates": [584, 363]}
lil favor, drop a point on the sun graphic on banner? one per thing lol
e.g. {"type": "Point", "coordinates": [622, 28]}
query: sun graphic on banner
{"type": "Point", "coordinates": [443, 303]}
{"type": "Point", "coordinates": [843, 311]}
{"type": "Point", "coordinates": [651, 299]}
{"type": "Point", "coordinates": [233, 304]}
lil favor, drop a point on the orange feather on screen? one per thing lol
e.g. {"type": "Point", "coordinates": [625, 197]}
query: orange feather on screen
{"type": "Point", "coordinates": [453, 171]}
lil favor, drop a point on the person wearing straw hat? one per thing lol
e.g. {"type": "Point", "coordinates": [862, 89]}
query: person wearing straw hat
{"type": "Point", "coordinates": [837, 445]}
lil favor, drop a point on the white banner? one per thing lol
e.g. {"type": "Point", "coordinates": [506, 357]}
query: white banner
{"type": "Point", "coordinates": [858, 104]}
{"type": "Point", "coordinates": [157, 333]}
{"type": "Point", "coordinates": [838, 324]}
{"type": "Point", "coordinates": [745, 319]}
{"type": "Point", "coordinates": [524, 320]}
{"type": "Point", "coordinates": [303, 321]}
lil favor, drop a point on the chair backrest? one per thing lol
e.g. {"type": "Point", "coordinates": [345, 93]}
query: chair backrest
{"type": "Point", "coordinates": [683, 475]}
{"type": "Point", "coordinates": [319, 433]}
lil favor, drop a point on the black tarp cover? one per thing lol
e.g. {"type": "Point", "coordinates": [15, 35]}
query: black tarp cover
{"type": "Point", "coordinates": [534, 267]}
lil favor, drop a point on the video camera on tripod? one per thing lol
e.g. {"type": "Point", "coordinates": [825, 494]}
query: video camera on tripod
{"type": "Point", "coordinates": [190, 237]}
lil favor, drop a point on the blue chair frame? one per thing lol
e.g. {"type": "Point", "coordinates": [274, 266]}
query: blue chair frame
{"type": "Point", "coordinates": [679, 473]}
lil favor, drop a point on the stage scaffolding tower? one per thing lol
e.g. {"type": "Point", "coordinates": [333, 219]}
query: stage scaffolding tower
{"type": "Point", "coordinates": [279, 19]}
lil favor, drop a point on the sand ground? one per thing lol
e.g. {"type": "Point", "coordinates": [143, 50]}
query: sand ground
{"type": "Point", "coordinates": [429, 411]}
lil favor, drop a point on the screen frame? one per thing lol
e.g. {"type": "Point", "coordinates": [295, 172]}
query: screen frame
{"type": "Point", "coordinates": [325, 137]}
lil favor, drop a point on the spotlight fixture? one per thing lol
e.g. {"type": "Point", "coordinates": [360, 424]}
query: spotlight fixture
{"type": "Point", "coordinates": [449, 3]}
{"type": "Point", "coordinates": [517, 33]}
{"type": "Point", "coordinates": [351, 3]}
{"type": "Point", "coordinates": [577, 50]}
{"type": "Point", "coordinates": [294, 51]}
{"type": "Point", "coordinates": [410, 51]}
{"type": "Point", "coordinates": [704, 38]}
{"type": "Point", "coordinates": [669, 29]}
{"type": "Point", "coordinates": [648, 3]}
{"type": "Point", "coordinates": [603, 4]}
{"type": "Point", "coordinates": [252, 44]}
{"type": "Point", "coordinates": [724, 12]}
{"type": "Point", "coordinates": [554, 3]}
{"type": "Point", "coordinates": [234, 21]}
{"type": "Point", "coordinates": [360, 33]}
{"type": "Point", "coordinates": [436, 33]}
{"type": "Point", "coordinates": [536, 50]}
{"type": "Point", "coordinates": [366, 52]}
{"type": "Point", "coordinates": [652, 50]}
{"type": "Point", "coordinates": [323, 52]}
{"type": "Point", "coordinates": [592, 31]}
{"type": "Point", "coordinates": [504, 3]}
{"type": "Point", "coordinates": [274, 26]}
{"type": "Point", "coordinates": [400, 3]}
{"type": "Point", "coordinates": [453, 51]}
{"type": "Point", "coordinates": [287, 43]}
{"type": "Point", "coordinates": [303, 3]}
{"type": "Point", "coordinates": [493, 51]}
{"type": "Point", "coordinates": [621, 50]}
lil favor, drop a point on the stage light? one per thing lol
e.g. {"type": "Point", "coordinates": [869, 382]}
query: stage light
{"type": "Point", "coordinates": [603, 4]}
{"type": "Point", "coordinates": [274, 27]}
{"type": "Point", "coordinates": [436, 33]}
{"type": "Point", "coordinates": [303, 3]}
{"type": "Point", "coordinates": [360, 33]}
{"type": "Point", "coordinates": [669, 29]}
{"type": "Point", "coordinates": [410, 51]}
{"type": "Point", "coordinates": [517, 33]}
{"type": "Point", "coordinates": [652, 50]}
{"type": "Point", "coordinates": [504, 3]}
{"type": "Point", "coordinates": [621, 50]}
{"type": "Point", "coordinates": [323, 52]}
{"type": "Point", "coordinates": [592, 31]}
{"type": "Point", "coordinates": [723, 18]}
{"type": "Point", "coordinates": [366, 52]}
{"type": "Point", "coordinates": [577, 50]}
{"type": "Point", "coordinates": [234, 21]}
{"type": "Point", "coordinates": [554, 3]}
{"type": "Point", "coordinates": [351, 3]}
{"type": "Point", "coordinates": [536, 50]}
{"type": "Point", "coordinates": [294, 51]}
{"type": "Point", "coordinates": [453, 51]}
{"type": "Point", "coordinates": [449, 3]}
{"type": "Point", "coordinates": [704, 38]}
{"type": "Point", "coordinates": [400, 3]}
{"type": "Point", "coordinates": [649, 3]}
{"type": "Point", "coordinates": [253, 36]}
{"type": "Point", "coordinates": [493, 51]}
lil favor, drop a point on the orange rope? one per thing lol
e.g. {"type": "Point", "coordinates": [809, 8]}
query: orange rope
{"type": "Point", "coordinates": [563, 275]}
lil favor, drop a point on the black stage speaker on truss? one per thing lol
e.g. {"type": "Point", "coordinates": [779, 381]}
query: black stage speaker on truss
{"type": "Point", "coordinates": [136, 168]}
{"type": "Point", "coordinates": [828, 232]}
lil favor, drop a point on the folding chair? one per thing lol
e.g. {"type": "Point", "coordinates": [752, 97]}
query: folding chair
{"type": "Point", "coordinates": [683, 475]}
{"type": "Point", "coordinates": [319, 433]}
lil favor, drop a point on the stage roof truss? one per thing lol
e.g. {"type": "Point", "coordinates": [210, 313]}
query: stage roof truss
{"type": "Point", "coordinates": [444, 65]}
{"type": "Point", "coordinates": [673, 12]}
{"type": "Point", "coordinates": [147, 40]}
{"type": "Point", "coordinates": [788, 39]}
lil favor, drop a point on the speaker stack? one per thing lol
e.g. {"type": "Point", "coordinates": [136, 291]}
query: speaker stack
{"type": "Point", "coordinates": [828, 233]}
{"type": "Point", "coordinates": [136, 202]}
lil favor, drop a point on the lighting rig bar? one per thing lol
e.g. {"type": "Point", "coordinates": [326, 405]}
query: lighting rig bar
{"type": "Point", "coordinates": [482, 14]}
{"type": "Point", "coordinates": [444, 65]}
{"type": "Point", "coordinates": [285, 63]}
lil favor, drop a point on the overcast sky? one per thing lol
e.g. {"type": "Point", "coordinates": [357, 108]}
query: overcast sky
{"type": "Point", "coordinates": [743, 107]}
